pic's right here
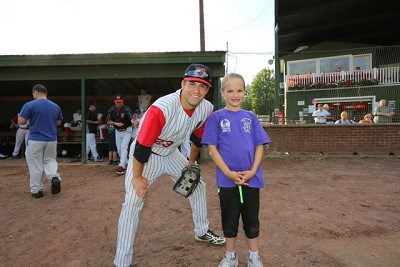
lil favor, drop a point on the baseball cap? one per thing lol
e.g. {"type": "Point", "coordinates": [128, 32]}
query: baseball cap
{"type": "Point", "coordinates": [118, 98]}
{"type": "Point", "coordinates": [136, 111]}
{"type": "Point", "coordinates": [198, 73]}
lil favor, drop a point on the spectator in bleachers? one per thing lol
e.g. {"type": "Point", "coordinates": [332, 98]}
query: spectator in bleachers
{"type": "Point", "coordinates": [344, 119]}
{"type": "Point", "coordinates": [383, 114]}
{"type": "Point", "coordinates": [358, 74]}
{"type": "Point", "coordinates": [329, 119]}
{"type": "Point", "coordinates": [367, 118]}
{"type": "Point", "coordinates": [320, 115]}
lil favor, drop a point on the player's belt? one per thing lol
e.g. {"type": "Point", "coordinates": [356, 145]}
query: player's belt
{"type": "Point", "coordinates": [24, 128]}
{"type": "Point", "coordinates": [121, 130]}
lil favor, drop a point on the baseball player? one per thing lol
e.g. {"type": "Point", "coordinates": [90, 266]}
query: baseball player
{"type": "Point", "coordinates": [102, 127]}
{"type": "Point", "coordinates": [20, 136]}
{"type": "Point", "coordinates": [144, 100]}
{"type": "Point", "coordinates": [92, 123]}
{"type": "Point", "coordinates": [121, 117]}
{"type": "Point", "coordinates": [75, 124]}
{"type": "Point", "coordinates": [167, 123]}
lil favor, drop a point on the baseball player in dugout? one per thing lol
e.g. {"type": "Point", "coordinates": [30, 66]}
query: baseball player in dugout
{"type": "Point", "coordinates": [41, 150]}
{"type": "Point", "coordinates": [121, 117]}
{"type": "Point", "coordinates": [167, 123]}
{"type": "Point", "coordinates": [21, 135]}
{"type": "Point", "coordinates": [75, 124]}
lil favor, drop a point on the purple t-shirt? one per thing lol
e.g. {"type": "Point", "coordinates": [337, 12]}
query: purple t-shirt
{"type": "Point", "coordinates": [236, 135]}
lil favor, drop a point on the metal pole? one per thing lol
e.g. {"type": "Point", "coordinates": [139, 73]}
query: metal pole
{"type": "Point", "coordinates": [227, 57]}
{"type": "Point", "coordinates": [277, 70]}
{"type": "Point", "coordinates": [202, 41]}
{"type": "Point", "coordinates": [83, 107]}
{"type": "Point", "coordinates": [277, 73]}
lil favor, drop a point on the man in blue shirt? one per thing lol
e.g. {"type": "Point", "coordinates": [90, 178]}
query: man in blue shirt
{"type": "Point", "coordinates": [41, 150]}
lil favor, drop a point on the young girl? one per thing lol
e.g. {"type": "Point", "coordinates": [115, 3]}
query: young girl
{"type": "Point", "coordinates": [367, 118]}
{"type": "Point", "coordinates": [235, 140]}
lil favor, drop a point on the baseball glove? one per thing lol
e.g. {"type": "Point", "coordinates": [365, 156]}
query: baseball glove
{"type": "Point", "coordinates": [188, 181]}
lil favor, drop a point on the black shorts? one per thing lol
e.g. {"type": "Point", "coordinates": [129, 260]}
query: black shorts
{"type": "Point", "coordinates": [112, 145]}
{"type": "Point", "coordinates": [231, 209]}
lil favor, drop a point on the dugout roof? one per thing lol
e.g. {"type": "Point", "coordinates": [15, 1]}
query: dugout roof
{"type": "Point", "coordinates": [103, 74]}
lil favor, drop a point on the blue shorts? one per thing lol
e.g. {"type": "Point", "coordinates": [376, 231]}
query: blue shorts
{"type": "Point", "coordinates": [112, 145]}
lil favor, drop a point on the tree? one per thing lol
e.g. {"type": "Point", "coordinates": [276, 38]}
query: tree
{"type": "Point", "coordinates": [262, 92]}
{"type": "Point", "coordinates": [247, 101]}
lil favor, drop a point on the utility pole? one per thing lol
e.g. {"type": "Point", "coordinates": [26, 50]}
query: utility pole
{"type": "Point", "coordinates": [202, 41]}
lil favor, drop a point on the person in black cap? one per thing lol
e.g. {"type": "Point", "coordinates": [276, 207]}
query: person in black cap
{"type": "Point", "coordinates": [121, 117]}
{"type": "Point", "coordinates": [167, 123]}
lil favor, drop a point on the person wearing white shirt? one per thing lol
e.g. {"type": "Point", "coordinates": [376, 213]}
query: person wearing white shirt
{"type": "Point", "coordinates": [320, 115]}
{"type": "Point", "coordinates": [344, 119]}
{"type": "Point", "coordinates": [144, 100]}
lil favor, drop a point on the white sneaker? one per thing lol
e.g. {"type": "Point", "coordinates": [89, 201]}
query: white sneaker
{"type": "Point", "coordinates": [227, 261]}
{"type": "Point", "coordinates": [255, 262]}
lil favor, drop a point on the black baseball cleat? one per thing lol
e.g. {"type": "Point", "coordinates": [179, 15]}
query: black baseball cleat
{"type": "Point", "coordinates": [212, 238]}
{"type": "Point", "coordinates": [39, 194]}
{"type": "Point", "coordinates": [55, 185]}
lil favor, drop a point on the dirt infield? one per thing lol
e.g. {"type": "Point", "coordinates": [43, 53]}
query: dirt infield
{"type": "Point", "coordinates": [315, 211]}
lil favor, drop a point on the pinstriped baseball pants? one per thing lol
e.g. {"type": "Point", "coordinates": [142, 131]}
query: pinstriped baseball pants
{"type": "Point", "coordinates": [129, 218]}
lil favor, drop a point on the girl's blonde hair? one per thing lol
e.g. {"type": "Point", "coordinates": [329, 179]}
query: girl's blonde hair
{"type": "Point", "coordinates": [229, 76]}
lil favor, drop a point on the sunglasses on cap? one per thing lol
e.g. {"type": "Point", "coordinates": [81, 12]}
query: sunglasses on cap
{"type": "Point", "coordinates": [199, 73]}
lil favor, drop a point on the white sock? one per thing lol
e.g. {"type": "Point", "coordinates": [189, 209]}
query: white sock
{"type": "Point", "coordinates": [231, 255]}
{"type": "Point", "coordinates": [253, 255]}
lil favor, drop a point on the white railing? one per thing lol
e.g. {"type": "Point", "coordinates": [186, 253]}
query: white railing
{"type": "Point", "coordinates": [345, 78]}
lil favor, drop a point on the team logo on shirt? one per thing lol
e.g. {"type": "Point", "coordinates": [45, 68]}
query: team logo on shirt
{"type": "Point", "coordinates": [225, 125]}
{"type": "Point", "coordinates": [246, 124]}
{"type": "Point", "coordinates": [163, 143]}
